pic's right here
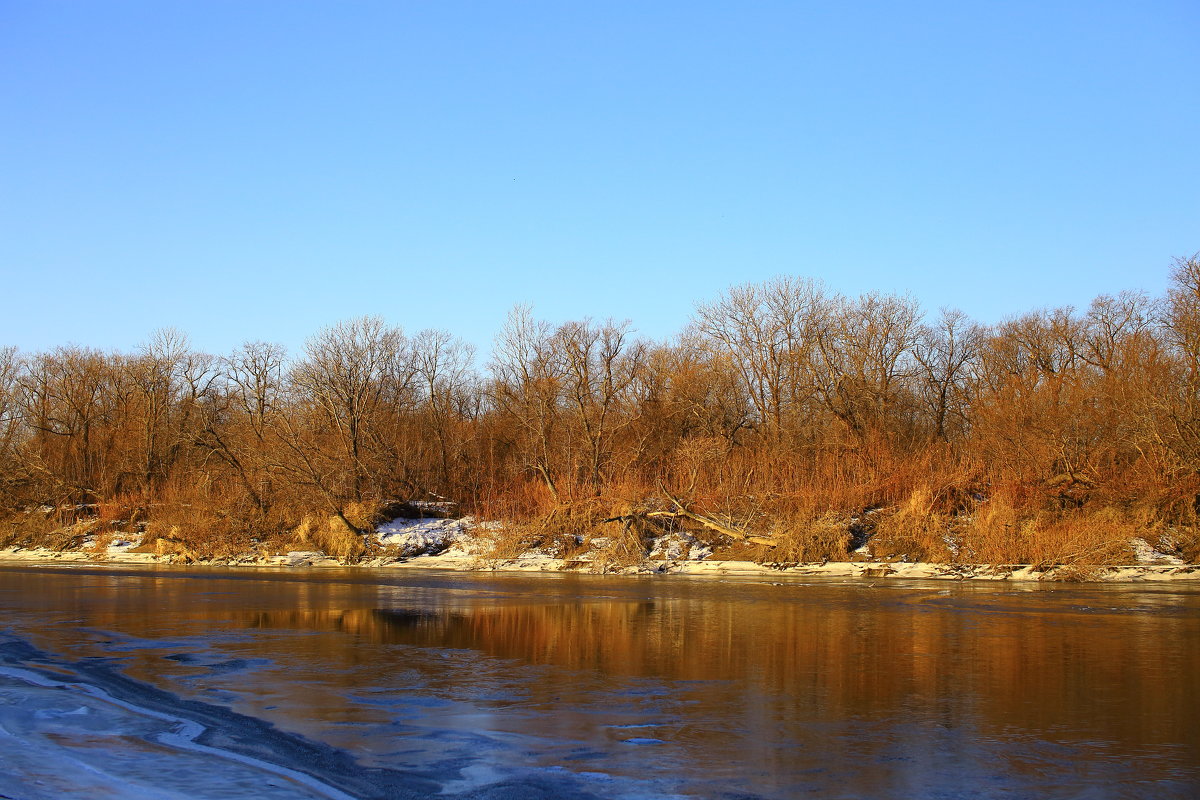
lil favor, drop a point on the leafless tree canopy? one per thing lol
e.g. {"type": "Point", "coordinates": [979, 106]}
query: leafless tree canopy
{"type": "Point", "coordinates": [777, 396]}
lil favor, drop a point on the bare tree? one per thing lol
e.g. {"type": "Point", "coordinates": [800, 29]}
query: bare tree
{"type": "Point", "coordinates": [865, 359]}
{"type": "Point", "coordinates": [769, 332]}
{"type": "Point", "coordinates": [11, 421]}
{"type": "Point", "coordinates": [68, 398]}
{"type": "Point", "coordinates": [169, 382]}
{"type": "Point", "coordinates": [443, 366]}
{"type": "Point", "coordinates": [945, 352]}
{"type": "Point", "coordinates": [348, 372]}
{"type": "Point", "coordinates": [235, 423]}
{"type": "Point", "coordinates": [600, 363]}
{"type": "Point", "coordinates": [255, 383]}
{"type": "Point", "coordinates": [527, 385]}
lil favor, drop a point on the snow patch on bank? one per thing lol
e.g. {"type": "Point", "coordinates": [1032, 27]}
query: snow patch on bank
{"type": "Point", "coordinates": [679, 546]}
{"type": "Point", "coordinates": [1146, 553]}
{"type": "Point", "coordinates": [118, 544]}
{"type": "Point", "coordinates": [418, 537]}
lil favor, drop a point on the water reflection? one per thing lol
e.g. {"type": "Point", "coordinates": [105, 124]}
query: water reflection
{"type": "Point", "coordinates": [897, 690]}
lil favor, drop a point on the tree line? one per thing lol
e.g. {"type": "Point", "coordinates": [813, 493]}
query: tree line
{"type": "Point", "coordinates": [782, 404]}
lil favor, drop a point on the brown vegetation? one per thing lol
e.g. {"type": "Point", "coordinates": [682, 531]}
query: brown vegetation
{"type": "Point", "coordinates": [786, 421]}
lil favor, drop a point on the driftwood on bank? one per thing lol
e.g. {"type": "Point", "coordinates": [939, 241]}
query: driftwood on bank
{"type": "Point", "coordinates": [681, 511]}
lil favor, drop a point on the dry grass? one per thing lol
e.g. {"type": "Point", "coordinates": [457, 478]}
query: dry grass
{"type": "Point", "coordinates": [1183, 541]}
{"type": "Point", "coordinates": [915, 531]}
{"type": "Point", "coordinates": [70, 537]}
{"type": "Point", "coordinates": [101, 539]}
{"type": "Point", "coordinates": [987, 535]}
{"type": "Point", "coordinates": [28, 529]}
{"type": "Point", "coordinates": [558, 533]}
{"type": "Point", "coordinates": [1000, 533]}
{"type": "Point", "coordinates": [807, 534]}
{"type": "Point", "coordinates": [331, 536]}
{"type": "Point", "coordinates": [803, 497]}
{"type": "Point", "coordinates": [196, 534]}
{"type": "Point", "coordinates": [367, 514]}
{"type": "Point", "coordinates": [121, 511]}
{"type": "Point", "coordinates": [1189, 550]}
{"type": "Point", "coordinates": [515, 500]}
{"type": "Point", "coordinates": [36, 528]}
{"type": "Point", "coordinates": [509, 541]}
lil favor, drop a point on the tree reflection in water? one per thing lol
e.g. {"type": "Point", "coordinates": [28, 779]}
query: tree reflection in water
{"type": "Point", "coordinates": [897, 689]}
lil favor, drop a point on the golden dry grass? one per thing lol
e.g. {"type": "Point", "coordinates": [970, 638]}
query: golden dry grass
{"type": "Point", "coordinates": [330, 535]}
{"type": "Point", "coordinates": [807, 534]}
{"type": "Point", "coordinates": [28, 529]}
{"type": "Point", "coordinates": [915, 531]}
{"type": "Point", "coordinates": [999, 533]}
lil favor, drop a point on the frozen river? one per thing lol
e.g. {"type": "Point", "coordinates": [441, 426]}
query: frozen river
{"type": "Point", "coordinates": [194, 683]}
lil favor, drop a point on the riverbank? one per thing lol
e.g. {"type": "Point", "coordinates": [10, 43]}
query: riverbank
{"type": "Point", "coordinates": [464, 544]}
{"type": "Point", "coordinates": [460, 561]}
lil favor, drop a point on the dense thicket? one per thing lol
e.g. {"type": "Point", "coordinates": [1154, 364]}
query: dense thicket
{"type": "Point", "coordinates": [783, 406]}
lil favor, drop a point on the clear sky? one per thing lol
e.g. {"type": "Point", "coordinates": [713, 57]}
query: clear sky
{"type": "Point", "coordinates": [257, 170]}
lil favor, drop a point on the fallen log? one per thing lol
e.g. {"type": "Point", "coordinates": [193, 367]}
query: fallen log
{"type": "Point", "coordinates": [643, 516]}
{"type": "Point", "coordinates": [713, 524]}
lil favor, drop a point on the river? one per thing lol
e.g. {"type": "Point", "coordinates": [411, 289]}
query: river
{"type": "Point", "coordinates": [197, 683]}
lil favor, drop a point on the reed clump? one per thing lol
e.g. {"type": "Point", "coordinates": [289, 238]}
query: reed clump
{"type": "Point", "coordinates": [332, 536]}
{"type": "Point", "coordinates": [1000, 533]}
{"type": "Point", "coordinates": [195, 533]}
{"type": "Point", "coordinates": [914, 531]}
{"type": "Point", "coordinates": [987, 534]}
{"type": "Point", "coordinates": [804, 533]}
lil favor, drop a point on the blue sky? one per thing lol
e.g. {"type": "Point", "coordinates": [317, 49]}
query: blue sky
{"type": "Point", "coordinates": [257, 170]}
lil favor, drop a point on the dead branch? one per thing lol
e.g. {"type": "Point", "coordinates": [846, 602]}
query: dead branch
{"type": "Point", "coordinates": [713, 524]}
